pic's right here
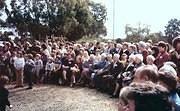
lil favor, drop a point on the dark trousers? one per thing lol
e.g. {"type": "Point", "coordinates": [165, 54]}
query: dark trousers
{"type": "Point", "coordinates": [97, 81]}
{"type": "Point", "coordinates": [29, 79]}
{"type": "Point", "coordinates": [2, 107]}
{"type": "Point", "coordinates": [47, 76]}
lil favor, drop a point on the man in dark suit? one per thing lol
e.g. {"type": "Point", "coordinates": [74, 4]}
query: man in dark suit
{"type": "Point", "coordinates": [98, 77]}
{"type": "Point", "coordinates": [116, 68]}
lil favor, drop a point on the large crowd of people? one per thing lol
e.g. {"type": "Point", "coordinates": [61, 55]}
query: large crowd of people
{"type": "Point", "coordinates": [143, 72]}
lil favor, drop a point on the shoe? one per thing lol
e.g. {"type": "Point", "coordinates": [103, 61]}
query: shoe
{"type": "Point", "coordinates": [18, 86]}
{"type": "Point", "coordinates": [29, 88]}
{"type": "Point", "coordinates": [71, 85]}
{"type": "Point", "coordinates": [114, 96]}
{"type": "Point", "coordinates": [21, 86]}
{"type": "Point", "coordinates": [60, 82]}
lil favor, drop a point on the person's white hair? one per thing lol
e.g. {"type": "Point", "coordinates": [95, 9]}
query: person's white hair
{"type": "Point", "coordinates": [132, 56]}
{"type": "Point", "coordinates": [170, 64]}
{"type": "Point", "coordinates": [169, 69]}
{"type": "Point", "coordinates": [139, 56]}
{"type": "Point", "coordinates": [87, 43]}
{"type": "Point", "coordinates": [95, 41]}
{"type": "Point", "coordinates": [142, 44]}
{"type": "Point", "coordinates": [102, 44]}
{"type": "Point", "coordinates": [119, 45]}
{"type": "Point", "coordinates": [92, 56]}
{"type": "Point", "coordinates": [109, 41]}
{"type": "Point", "coordinates": [103, 55]}
{"type": "Point", "coordinates": [86, 53]}
{"type": "Point", "coordinates": [116, 55]}
{"type": "Point", "coordinates": [133, 46]}
{"type": "Point", "coordinates": [109, 55]}
{"type": "Point", "coordinates": [150, 57]}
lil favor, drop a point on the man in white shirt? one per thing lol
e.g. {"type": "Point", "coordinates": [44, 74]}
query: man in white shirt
{"type": "Point", "coordinates": [19, 63]}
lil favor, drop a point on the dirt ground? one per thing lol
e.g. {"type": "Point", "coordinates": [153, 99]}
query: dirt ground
{"type": "Point", "coordinates": [58, 98]}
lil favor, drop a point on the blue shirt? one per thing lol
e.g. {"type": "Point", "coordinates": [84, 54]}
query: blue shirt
{"type": "Point", "coordinates": [175, 100]}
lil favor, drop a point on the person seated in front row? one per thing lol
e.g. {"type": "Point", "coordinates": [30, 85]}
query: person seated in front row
{"type": "Point", "coordinates": [124, 78]}
{"type": "Point", "coordinates": [76, 70]}
{"type": "Point", "coordinates": [85, 77]}
{"type": "Point", "coordinates": [116, 68]}
{"type": "Point", "coordinates": [98, 67]}
{"type": "Point", "coordinates": [98, 77]}
{"type": "Point", "coordinates": [138, 61]}
{"type": "Point", "coordinates": [67, 64]}
{"type": "Point", "coordinates": [56, 79]}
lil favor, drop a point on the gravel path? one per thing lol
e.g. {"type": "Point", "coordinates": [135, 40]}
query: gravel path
{"type": "Point", "coordinates": [58, 98]}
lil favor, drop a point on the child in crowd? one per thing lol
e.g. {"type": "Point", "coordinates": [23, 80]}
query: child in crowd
{"type": "Point", "coordinates": [49, 69]}
{"type": "Point", "coordinates": [38, 67]}
{"type": "Point", "coordinates": [29, 70]}
{"type": "Point", "coordinates": [4, 94]}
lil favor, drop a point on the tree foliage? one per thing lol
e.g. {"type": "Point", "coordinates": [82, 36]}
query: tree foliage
{"type": "Point", "coordinates": [155, 37]}
{"type": "Point", "coordinates": [2, 4]}
{"type": "Point", "coordinates": [69, 18]}
{"type": "Point", "coordinates": [172, 29]}
{"type": "Point", "coordinates": [135, 34]}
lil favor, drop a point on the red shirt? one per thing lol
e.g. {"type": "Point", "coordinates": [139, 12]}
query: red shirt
{"type": "Point", "coordinates": [161, 58]}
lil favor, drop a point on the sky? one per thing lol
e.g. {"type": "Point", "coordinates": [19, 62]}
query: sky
{"type": "Point", "coordinates": [154, 13]}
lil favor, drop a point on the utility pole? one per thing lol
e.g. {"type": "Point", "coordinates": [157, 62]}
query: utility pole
{"type": "Point", "coordinates": [113, 18]}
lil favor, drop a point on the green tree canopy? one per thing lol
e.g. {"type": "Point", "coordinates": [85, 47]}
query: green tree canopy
{"type": "Point", "coordinates": [70, 18]}
{"type": "Point", "coordinates": [172, 29]}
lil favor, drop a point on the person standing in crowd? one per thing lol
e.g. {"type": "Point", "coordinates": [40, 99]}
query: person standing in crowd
{"type": "Point", "coordinates": [175, 54]}
{"type": "Point", "coordinates": [29, 70]}
{"type": "Point", "coordinates": [4, 93]}
{"type": "Point", "coordinates": [48, 70]}
{"type": "Point", "coordinates": [38, 67]}
{"type": "Point", "coordinates": [163, 54]}
{"type": "Point", "coordinates": [143, 51]}
{"type": "Point", "coordinates": [155, 51]}
{"type": "Point", "coordinates": [12, 59]}
{"type": "Point", "coordinates": [19, 63]}
{"type": "Point", "coordinates": [45, 54]}
{"type": "Point", "coordinates": [6, 58]}
{"type": "Point", "coordinates": [144, 97]}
